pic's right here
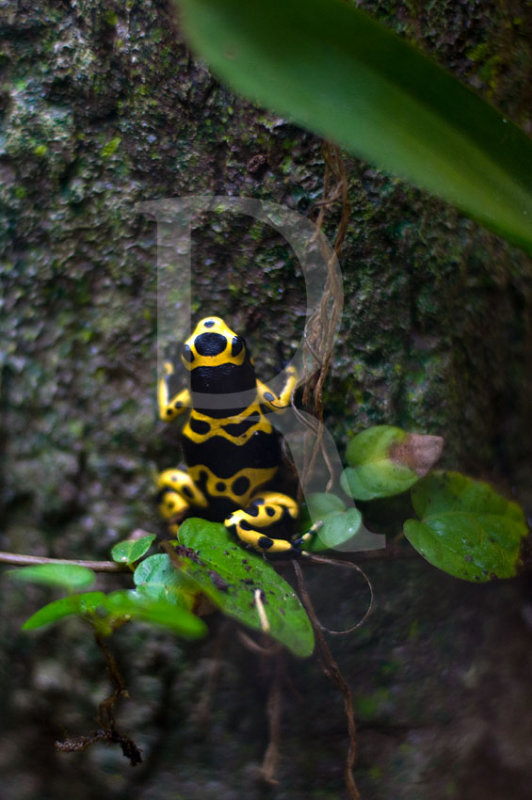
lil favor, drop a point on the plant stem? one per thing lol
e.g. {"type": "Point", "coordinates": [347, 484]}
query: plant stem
{"type": "Point", "coordinates": [21, 560]}
{"type": "Point", "coordinates": [390, 553]}
{"type": "Point", "coordinates": [332, 671]}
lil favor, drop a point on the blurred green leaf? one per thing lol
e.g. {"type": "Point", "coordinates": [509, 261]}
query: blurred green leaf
{"type": "Point", "coordinates": [466, 528]}
{"type": "Point", "coordinates": [65, 607]}
{"type": "Point", "coordinates": [131, 550]}
{"type": "Point", "coordinates": [328, 66]}
{"type": "Point", "coordinates": [230, 577]}
{"type": "Point", "coordinates": [107, 609]}
{"type": "Point", "coordinates": [138, 606]}
{"type": "Point", "coordinates": [65, 576]}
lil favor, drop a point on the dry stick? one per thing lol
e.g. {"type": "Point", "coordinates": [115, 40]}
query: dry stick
{"type": "Point", "coordinates": [108, 731]}
{"type": "Point", "coordinates": [274, 704]}
{"type": "Point", "coordinates": [106, 716]}
{"type": "Point", "coordinates": [332, 670]}
{"type": "Point", "coordinates": [390, 553]}
{"type": "Point", "coordinates": [263, 617]}
{"type": "Point", "coordinates": [20, 560]}
{"type": "Point", "coordinates": [255, 647]}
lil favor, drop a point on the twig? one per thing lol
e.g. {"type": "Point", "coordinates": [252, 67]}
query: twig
{"type": "Point", "coordinates": [332, 671]}
{"type": "Point", "coordinates": [264, 621]}
{"type": "Point", "coordinates": [108, 731]}
{"type": "Point", "coordinates": [21, 560]}
{"type": "Point", "coordinates": [391, 552]}
{"type": "Point", "coordinates": [255, 647]}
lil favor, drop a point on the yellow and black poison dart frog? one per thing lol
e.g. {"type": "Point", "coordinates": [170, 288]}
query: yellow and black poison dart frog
{"type": "Point", "coordinates": [230, 446]}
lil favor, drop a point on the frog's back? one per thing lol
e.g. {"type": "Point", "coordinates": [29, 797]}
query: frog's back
{"type": "Point", "coordinates": [230, 445]}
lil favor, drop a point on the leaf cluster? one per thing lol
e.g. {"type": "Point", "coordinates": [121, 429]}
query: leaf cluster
{"type": "Point", "coordinates": [171, 589]}
{"type": "Point", "coordinates": [462, 526]}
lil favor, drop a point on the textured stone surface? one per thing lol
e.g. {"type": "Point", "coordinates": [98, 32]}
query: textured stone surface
{"type": "Point", "coordinates": [101, 108]}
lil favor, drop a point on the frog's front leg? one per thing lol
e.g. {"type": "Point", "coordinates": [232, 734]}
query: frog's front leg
{"type": "Point", "coordinates": [278, 403]}
{"type": "Point", "coordinates": [172, 399]}
{"type": "Point", "coordinates": [268, 514]}
{"type": "Point", "coordinates": [177, 495]}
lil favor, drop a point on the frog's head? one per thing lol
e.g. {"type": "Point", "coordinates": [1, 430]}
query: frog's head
{"type": "Point", "coordinates": [213, 344]}
{"type": "Point", "coordinates": [217, 359]}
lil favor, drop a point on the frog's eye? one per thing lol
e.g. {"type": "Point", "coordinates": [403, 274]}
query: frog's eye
{"type": "Point", "coordinates": [237, 344]}
{"type": "Point", "coordinates": [210, 344]}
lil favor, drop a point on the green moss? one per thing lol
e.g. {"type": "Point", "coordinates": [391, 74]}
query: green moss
{"type": "Point", "coordinates": [372, 707]}
{"type": "Point", "coordinates": [111, 18]}
{"type": "Point", "coordinates": [111, 147]}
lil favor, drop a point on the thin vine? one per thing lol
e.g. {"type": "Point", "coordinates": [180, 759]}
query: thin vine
{"type": "Point", "coordinates": [321, 328]}
{"type": "Point", "coordinates": [333, 672]}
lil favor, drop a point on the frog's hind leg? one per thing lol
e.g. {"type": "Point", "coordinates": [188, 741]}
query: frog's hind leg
{"type": "Point", "coordinates": [177, 494]}
{"type": "Point", "coordinates": [262, 524]}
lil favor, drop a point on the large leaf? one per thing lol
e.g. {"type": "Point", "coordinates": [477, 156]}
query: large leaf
{"type": "Point", "coordinates": [466, 528]}
{"type": "Point", "coordinates": [331, 68]}
{"type": "Point", "coordinates": [231, 577]}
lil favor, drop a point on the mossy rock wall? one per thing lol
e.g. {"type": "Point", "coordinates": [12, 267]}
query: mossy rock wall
{"type": "Point", "coordinates": [102, 107]}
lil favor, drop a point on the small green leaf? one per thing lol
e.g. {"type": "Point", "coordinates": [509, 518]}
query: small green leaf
{"type": "Point", "coordinates": [339, 525]}
{"type": "Point", "coordinates": [231, 577]}
{"type": "Point", "coordinates": [156, 578]}
{"type": "Point", "coordinates": [65, 607]}
{"type": "Point", "coordinates": [131, 550]}
{"type": "Point", "coordinates": [328, 66]}
{"type": "Point", "coordinates": [385, 461]}
{"type": "Point", "coordinates": [466, 528]}
{"type": "Point", "coordinates": [65, 576]}
{"type": "Point", "coordinates": [338, 528]}
{"type": "Point", "coordinates": [322, 503]}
